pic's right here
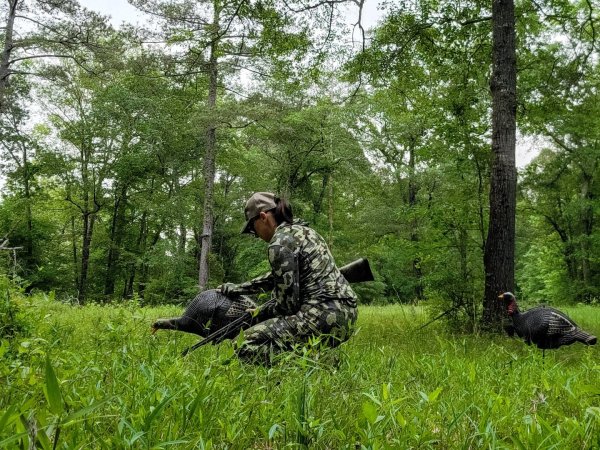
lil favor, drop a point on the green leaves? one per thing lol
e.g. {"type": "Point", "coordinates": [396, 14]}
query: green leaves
{"type": "Point", "coordinates": [369, 411]}
{"type": "Point", "coordinates": [52, 390]}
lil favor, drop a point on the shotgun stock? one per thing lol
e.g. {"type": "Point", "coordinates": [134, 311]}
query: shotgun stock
{"type": "Point", "coordinates": [357, 271]}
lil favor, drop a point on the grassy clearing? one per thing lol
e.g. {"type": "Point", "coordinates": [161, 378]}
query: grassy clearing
{"type": "Point", "coordinates": [94, 377]}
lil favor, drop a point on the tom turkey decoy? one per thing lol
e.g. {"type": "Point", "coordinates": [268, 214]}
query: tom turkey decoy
{"type": "Point", "coordinates": [207, 312]}
{"type": "Point", "coordinates": [544, 326]}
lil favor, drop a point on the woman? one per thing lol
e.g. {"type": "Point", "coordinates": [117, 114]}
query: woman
{"type": "Point", "coordinates": [311, 296]}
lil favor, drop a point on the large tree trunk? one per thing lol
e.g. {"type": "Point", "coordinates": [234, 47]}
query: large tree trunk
{"type": "Point", "coordinates": [6, 51]}
{"type": "Point", "coordinates": [209, 157]}
{"type": "Point", "coordinates": [500, 243]}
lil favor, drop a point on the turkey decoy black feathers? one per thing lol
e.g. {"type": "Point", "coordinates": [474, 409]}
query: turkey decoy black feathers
{"type": "Point", "coordinates": [546, 327]}
{"type": "Point", "coordinates": [207, 312]}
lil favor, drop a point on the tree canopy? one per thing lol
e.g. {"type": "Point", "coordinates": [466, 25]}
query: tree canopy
{"type": "Point", "coordinates": [127, 154]}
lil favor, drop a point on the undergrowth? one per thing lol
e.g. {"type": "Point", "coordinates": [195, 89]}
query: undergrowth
{"type": "Point", "coordinates": [94, 377]}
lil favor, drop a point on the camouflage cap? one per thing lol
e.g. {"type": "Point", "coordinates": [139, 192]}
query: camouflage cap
{"type": "Point", "coordinates": [259, 202]}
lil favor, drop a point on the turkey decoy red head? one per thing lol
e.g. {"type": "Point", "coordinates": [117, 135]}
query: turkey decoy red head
{"type": "Point", "coordinates": [510, 302]}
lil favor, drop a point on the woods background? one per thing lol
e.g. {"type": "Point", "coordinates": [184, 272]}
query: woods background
{"type": "Point", "coordinates": [127, 154]}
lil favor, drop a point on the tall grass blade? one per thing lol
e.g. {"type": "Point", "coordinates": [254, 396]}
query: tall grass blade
{"type": "Point", "coordinates": [14, 438]}
{"type": "Point", "coordinates": [154, 414]}
{"type": "Point", "coordinates": [52, 391]}
{"type": "Point", "coordinates": [70, 419]}
{"type": "Point", "coordinates": [9, 415]}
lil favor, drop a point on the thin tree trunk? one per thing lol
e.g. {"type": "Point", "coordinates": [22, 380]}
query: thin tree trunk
{"type": "Point", "coordinates": [140, 247]}
{"type": "Point", "coordinates": [140, 251]}
{"type": "Point", "coordinates": [500, 243]}
{"type": "Point", "coordinates": [88, 229]}
{"type": "Point", "coordinates": [414, 235]}
{"type": "Point", "coordinates": [128, 285]}
{"type": "Point", "coordinates": [587, 222]}
{"type": "Point", "coordinates": [330, 215]}
{"type": "Point", "coordinates": [144, 269]}
{"type": "Point", "coordinates": [116, 238]}
{"type": "Point", "coordinates": [570, 260]}
{"type": "Point", "coordinates": [88, 214]}
{"type": "Point", "coordinates": [463, 246]}
{"type": "Point", "coordinates": [6, 51]}
{"type": "Point", "coordinates": [182, 238]}
{"type": "Point", "coordinates": [28, 214]}
{"type": "Point", "coordinates": [209, 157]}
{"type": "Point", "coordinates": [74, 249]}
{"type": "Point", "coordinates": [568, 248]}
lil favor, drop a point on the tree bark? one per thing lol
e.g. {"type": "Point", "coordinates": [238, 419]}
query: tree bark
{"type": "Point", "coordinates": [500, 243]}
{"type": "Point", "coordinates": [6, 51]}
{"type": "Point", "coordinates": [209, 156]}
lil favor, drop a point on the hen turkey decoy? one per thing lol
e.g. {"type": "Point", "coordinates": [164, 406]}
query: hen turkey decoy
{"type": "Point", "coordinates": [211, 310]}
{"type": "Point", "coordinates": [544, 326]}
{"type": "Point", "coordinates": [207, 312]}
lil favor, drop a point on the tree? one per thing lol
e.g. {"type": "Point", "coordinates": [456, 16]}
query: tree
{"type": "Point", "coordinates": [558, 88]}
{"type": "Point", "coordinates": [18, 150]}
{"type": "Point", "coordinates": [45, 30]}
{"type": "Point", "coordinates": [499, 256]}
{"type": "Point", "coordinates": [427, 124]}
{"type": "Point", "coordinates": [560, 186]}
{"type": "Point", "coordinates": [214, 38]}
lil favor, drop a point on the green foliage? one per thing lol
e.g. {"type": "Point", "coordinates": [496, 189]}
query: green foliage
{"type": "Point", "coordinates": [95, 373]}
{"type": "Point", "coordinates": [13, 322]}
{"type": "Point", "coordinates": [394, 168]}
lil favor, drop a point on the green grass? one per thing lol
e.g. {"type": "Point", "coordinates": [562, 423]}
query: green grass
{"type": "Point", "coordinates": [94, 377]}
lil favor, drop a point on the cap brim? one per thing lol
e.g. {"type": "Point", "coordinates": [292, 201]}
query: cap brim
{"type": "Point", "coordinates": [247, 228]}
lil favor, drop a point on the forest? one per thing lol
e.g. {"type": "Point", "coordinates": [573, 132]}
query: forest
{"type": "Point", "coordinates": [454, 144]}
{"type": "Point", "coordinates": [127, 154]}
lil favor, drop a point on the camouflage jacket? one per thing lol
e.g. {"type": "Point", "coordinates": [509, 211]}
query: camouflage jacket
{"type": "Point", "coordinates": [303, 272]}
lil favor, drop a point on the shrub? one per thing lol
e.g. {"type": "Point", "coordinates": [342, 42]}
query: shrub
{"type": "Point", "coordinates": [12, 321]}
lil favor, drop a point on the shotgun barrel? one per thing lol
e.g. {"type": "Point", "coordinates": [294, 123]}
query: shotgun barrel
{"type": "Point", "coordinates": [357, 271]}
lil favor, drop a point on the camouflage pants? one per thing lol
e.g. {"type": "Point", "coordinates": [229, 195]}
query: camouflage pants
{"type": "Point", "coordinates": [332, 319]}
